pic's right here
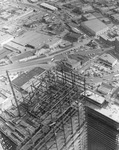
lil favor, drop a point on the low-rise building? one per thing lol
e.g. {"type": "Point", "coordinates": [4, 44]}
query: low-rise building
{"type": "Point", "coordinates": [115, 17]}
{"type": "Point", "coordinates": [95, 27]}
{"type": "Point", "coordinates": [88, 16]}
{"type": "Point", "coordinates": [21, 56]}
{"type": "Point", "coordinates": [108, 60]}
{"type": "Point", "coordinates": [15, 47]}
{"type": "Point", "coordinates": [87, 8]}
{"type": "Point", "coordinates": [23, 81]}
{"type": "Point", "coordinates": [110, 36]}
{"type": "Point", "coordinates": [107, 40]}
{"type": "Point", "coordinates": [5, 38]}
{"type": "Point", "coordinates": [48, 6]}
{"type": "Point", "coordinates": [105, 88]}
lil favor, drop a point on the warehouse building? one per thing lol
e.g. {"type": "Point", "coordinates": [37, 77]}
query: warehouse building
{"type": "Point", "coordinates": [95, 27]}
{"type": "Point", "coordinates": [115, 17]}
{"type": "Point", "coordinates": [105, 88]}
{"type": "Point", "coordinates": [88, 16]}
{"type": "Point", "coordinates": [15, 47]}
{"type": "Point", "coordinates": [4, 52]}
{"type": "Point", "coordinates": [47, 6]}
{"type": "Point", "coordinates": [108, 60]}
{"type": "Point", "coordinates": [87, 8]}
{"type": "Point", "coordinates": [105, 38]}
{"type": "Point", "coordinates": [21, 56]}
{"type": "Point", "coordinates": [5, 38]}
{"type": "Point", "coordinates": [22, 81]}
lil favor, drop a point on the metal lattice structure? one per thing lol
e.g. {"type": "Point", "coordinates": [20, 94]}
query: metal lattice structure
{"type": "Point", "coordinates": [55, 115]}
{"type": "Point", "coordinates": [52, 115]}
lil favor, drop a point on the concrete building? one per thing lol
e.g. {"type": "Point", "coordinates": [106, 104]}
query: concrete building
{"type": "Point", "coordinates": [63, 121]}
{"type": "Point", "coordinates": [105, 88]}
{"type": "Point", "coordinates": [21, 56]}
{"type": "Point", "coordinates": [5, 38]}
{"type": "Point", "coordinates": [105, 38]}
{"type": "Point", "coordinates": [87, 8]}
{"type": "Point", "coordinates": [15, 47]}
{"type": "Point", "coordinates": [4, 52]}
{"type": "Point", "coordinates": [95, 27]}
{"type": "Point", "coordinates": [108, 60]}
{"type": "Point", "coordinates": [110, 36]}
{"type": "Point", "coordinates": [48, 6]}
{"type": "Point", "coordinates": [88, 16]}
{"type": "Point", "coordinates": [23, 80]}
{"type": "Point", "coordinates": [115, 17]}
{"type": "Point", "coordinates": [102, 129]}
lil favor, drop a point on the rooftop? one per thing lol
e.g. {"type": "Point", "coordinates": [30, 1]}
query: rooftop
{"type": "Point", "coordinates": [109, 58]}
{"type": "Point", "coordinates": [4, 52]}
{"type": "Point", "coordinates": [48, 6]}
{"type": "Point", "coordinates": [21, 56]}
{"type": "Point", "coordinates": [4, 38]}
{"type": "Point", "coordinates": [25, 77]}
{"type": "Point", "coordinates": [104, 90]}
{"type": "Point", "coordinates": [95, 97]}
{"type": "Point", "coordinates": [110, 111]}
{"type": "Point", "coordinates": [35, 39]}
{"type": "Point", "coordinates": [14, 46]}
{"type": "Point", "coordinates": [89, 16]}
{"type": "Point", "coordinates": [95, 25]}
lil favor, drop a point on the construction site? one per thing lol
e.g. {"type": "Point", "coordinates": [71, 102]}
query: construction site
{"type": "Point", "coordinates": [56, 115]}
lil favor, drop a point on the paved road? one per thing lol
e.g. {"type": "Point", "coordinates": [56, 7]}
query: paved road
{"type": "Point", "coordinates": [24, 66]}
{"type": "Point", "coordinates": [33, 63]}
{"type": "Point", "coordinates": [39, 62]}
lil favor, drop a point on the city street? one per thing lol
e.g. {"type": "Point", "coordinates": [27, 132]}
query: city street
{"type": "Point", "coordinates": [38, 62]}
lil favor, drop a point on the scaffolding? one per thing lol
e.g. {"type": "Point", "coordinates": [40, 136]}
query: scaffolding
{"type": "Point", "coordinates": [52, 115]}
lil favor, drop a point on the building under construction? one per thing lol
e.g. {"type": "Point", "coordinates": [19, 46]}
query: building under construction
{"type": "Point", "coordinates": [56, 115]}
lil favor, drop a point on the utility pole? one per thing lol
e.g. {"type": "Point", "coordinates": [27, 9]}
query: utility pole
{"type": "Point", "coordinates": [13, 92]}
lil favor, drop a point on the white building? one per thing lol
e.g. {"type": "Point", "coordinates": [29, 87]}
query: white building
{"type": "Point", "coordinates": [5, 38]}
{"type": "Point", "coordinates": [48, 6]}
{"type": "Point", "coordinates": [95, 27]}
{"type": "Point", "coordinates": [107, 59]}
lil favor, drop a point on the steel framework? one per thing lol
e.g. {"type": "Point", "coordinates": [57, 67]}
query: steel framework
{"type": "Point", "coordinates": [56, 112]}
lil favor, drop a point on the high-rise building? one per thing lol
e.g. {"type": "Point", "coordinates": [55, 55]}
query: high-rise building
{"type": "Point", "coordinates": [58, 114]}
{"type": "Point", "coordinates": [51, 117]}
{"type": "Point", "coordinates": [102, 132]}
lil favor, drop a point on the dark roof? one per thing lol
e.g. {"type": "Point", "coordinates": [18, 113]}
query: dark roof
{"type": "Point", "coordinates": [25, 77]}
{"type": "Point", "coordinates": [21, 56]}
{"type": "Point", "coordinates": [74, 35]}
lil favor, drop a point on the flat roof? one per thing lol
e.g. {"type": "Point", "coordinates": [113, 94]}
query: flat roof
{"type": "Point", "coordinates": [116, 16]}
{"type": "Point", "coordinates": [87, 8]}
{"type": "Point", "coordinates": [89, 16]}
{"type": "Point", "coordinates": [104, 90]}
{"type": "Point", "coordinates": [14, 46]}
{"type": "Point", "coordinates": [95, 97]}
{"type": "Point", "coordinates": [109, 58]}
{"type": "Point", "coordinates": [48, 6]}
{"type": "Point", "coordinates": [34, 38]}
{"type": "Point", "coordinates": [95, 25]}
{"type": "Point", "coordinates": [4, 52]}
{"type": "Point", "coordinates": [5, 37]}
{"type": "Point", "coordinates": [110, 111]}
{"type": "Point", "coordinates": [21, 56]}
{"type": "Point", "coordinates": [25, 77]}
